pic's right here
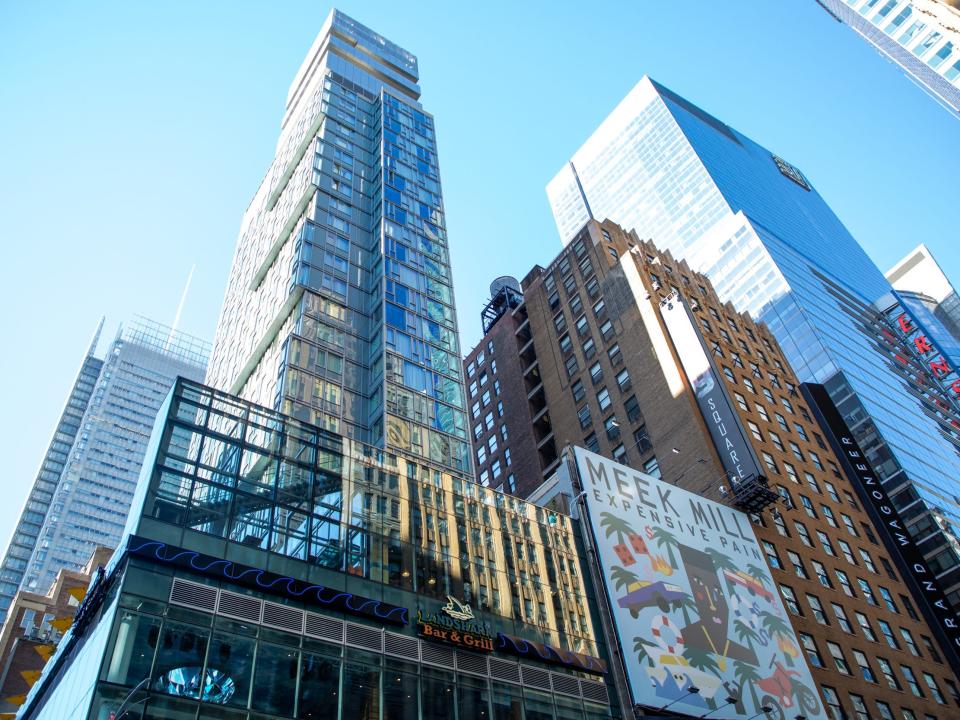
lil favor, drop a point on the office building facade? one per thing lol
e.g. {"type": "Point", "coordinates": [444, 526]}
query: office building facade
{"type": "Point", "coordinates": [752, 222]}
{"type": "Point", "coordinates": [922, 37]}
{"type": "Point", "coordinates": [613, 381]}
{"type": "Point", "coordinates": [95, 486]}
{"type": "Point", "coordinates": [339, 307]}
{"type": "Point", "coordinates": [273, 569]}
{"type": "Point", "coordinates": [27, 531]}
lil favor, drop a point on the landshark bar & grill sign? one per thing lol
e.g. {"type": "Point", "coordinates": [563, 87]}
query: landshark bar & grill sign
{"type": "Point", "coordinates": [456, 624]}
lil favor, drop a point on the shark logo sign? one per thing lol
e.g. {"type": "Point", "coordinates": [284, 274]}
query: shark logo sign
{"type": "Point", "coordinates": [455, 623]}
{"type": "Point", "coordinates": [692, 600]}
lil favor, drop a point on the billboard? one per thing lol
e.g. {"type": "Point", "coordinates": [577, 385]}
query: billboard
{"type": "Point", "coordinates": [692, 600]}
{"type": "Point", "coordinates": [727, 433]}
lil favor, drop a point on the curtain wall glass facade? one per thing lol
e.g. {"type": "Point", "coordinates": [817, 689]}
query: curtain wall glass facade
{"type": "Point", "coordinates": [770, 244]}
{"type": "Point", "coordinates": [339, 308]}
{"type": "Point", "coordinates": [273, 569]}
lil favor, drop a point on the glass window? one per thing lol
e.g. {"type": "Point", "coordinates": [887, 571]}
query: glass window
{"type": "Point", "coordinates": [140, 632]}
{"type": "Point", "coordinates": [865, 670]}
{"type": "Point", "coordinates": [888, 600]}
{"type": "Point", "coordinates": [817, 608]}
{"type": "Point", "coordinates": [275, 679]}
{"type": "Point", "coordinates": [931, 650]}
{"type": "Point", "coordinates": [885, 712]}
{"type": "Point", "coordinates": [859, 707]}
{"type": "Point", "coordinates": [773, 559]}
{"type": "Point", "coordinates": [865, 626]}
{"type": "Point", "coordinates": [362, 680]}
{"type": "Point", "coordinates": [400, 690]}
{"type": "Point", "coordinates": [596, 373]}
{"type": "Point", "coordinates": [578, 391]}
{"type": "Point", "coordinates": [888, 635]}
{"type": "Point", "coordinates": [911, 680]}
{"type": "Point", "coordinates": [886, 669]}
{"type": "Point", "coordinates": [790, 600]}
{"type": "Point", "coordinates": [845, 583]}
{"type": "Point", "coordinates": [233, 655]}
{"type": "Point", "coordinates": [934, 688]}
{"type": "Point", "coordinates": [797, 563]}
{"type": "Point", "coordinates": [821, 572]}
{"type": "Point", "coordinates": [909, 641]}
{"type": "Point", "coordinates": [810, 649]}
{"type": "Point", "coordinates": [837, 654]}
{"type": "Point", "coordinates": [603, 399]}
{"type": "Point", "coordinates": [834, 708]}
{"type": "Point", "coordinates": [652, 467]}
{"type": "Point", "coordinates": [842, 620]}
{"type": "Point", "coordinates": [584, 415]}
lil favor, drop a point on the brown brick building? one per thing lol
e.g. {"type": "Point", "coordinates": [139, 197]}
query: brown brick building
{"type": "Point", "coordinates": [33, 628]}
{"type": "Point", "coordinates": [598, 369]}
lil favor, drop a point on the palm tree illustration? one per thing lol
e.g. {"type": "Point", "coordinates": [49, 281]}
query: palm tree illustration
{"type": "Point", "coordinates": [721, 560]}
{"type": "Point", "coordinates": [665, 538]}
{"type": "Point", "coordinates": [686, 605]}
{"type": "Point", "coordinates": [611, 525]}
{"type": "Point", "coordinates": [759, 574]}
{"type": "Point", "coordinates": [778, 629]}
{"type": "Point", "coordinates": [640, 646]}
{"type": "Point", "coordinates": [704, 661]}
{"type": "Point", "coordinates": [623, 578]}
{"type": "Point", "coordinates": [747, 675]}
{"type": "Point", "coordinates": [745, 633]}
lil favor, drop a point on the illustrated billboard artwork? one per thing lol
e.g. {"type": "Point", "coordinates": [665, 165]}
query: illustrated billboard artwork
{"type": "Point", "coordinates": [692, 599]}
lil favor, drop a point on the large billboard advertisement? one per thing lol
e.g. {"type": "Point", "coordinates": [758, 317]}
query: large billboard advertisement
{"type": "Point", "coordinates": [692, 599]}
{"type": "Point", "coordinates": [727, 433]}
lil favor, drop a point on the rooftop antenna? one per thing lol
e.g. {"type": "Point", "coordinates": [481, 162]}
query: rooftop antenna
{"type": "Point", "coordinates": [96, 337]}
{"type": "Point", "coordinates": [183, 300]}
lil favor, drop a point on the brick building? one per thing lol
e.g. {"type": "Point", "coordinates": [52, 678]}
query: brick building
{"type": "Point", "coordinates": [598, 369]}
{"type": "Point", "coordinates": [34, 626]}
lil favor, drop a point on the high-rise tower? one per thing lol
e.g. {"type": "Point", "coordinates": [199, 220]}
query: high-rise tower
{"type": "Point", "coordinates": [920, 36]}
{"type": "Point", "coordinates": [25, 535]}
{"type": "Point", "coordinates": [97, 478]}
{"type": "Point", "coordinates": [754, 224]}
{"type": "Point", "coordinates": [339, 307]}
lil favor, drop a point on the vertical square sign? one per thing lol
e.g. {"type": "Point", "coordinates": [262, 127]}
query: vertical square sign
{"type": "Point", "coordinates": [700, 621]}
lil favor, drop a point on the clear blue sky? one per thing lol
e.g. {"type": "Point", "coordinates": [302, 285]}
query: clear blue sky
{"type": "Point", "coordinates": [133, 134]}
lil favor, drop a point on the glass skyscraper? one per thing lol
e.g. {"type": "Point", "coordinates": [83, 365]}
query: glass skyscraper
{"type": "Point", "coordinates": [339, 307]}
{"type": "Point", "coordinates": [920, 36]}
{"type": "Point", "coordinates": [754, 224]}
{"type": "Point", "coordinates": [95, 484]}
{"type": "Point", "coordinates": [25, 535]}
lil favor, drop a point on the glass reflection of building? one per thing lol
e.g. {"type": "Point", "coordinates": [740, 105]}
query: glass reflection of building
{"type": "Point", "coordinates": [769, 243]}
{"type": "Point", "coordinates": [339, 308]}
{"type": "Point", "coordinates": [232, 492]}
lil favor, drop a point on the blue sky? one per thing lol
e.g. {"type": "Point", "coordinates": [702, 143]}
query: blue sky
{"type": "Point", "coordinates": [133, 135]}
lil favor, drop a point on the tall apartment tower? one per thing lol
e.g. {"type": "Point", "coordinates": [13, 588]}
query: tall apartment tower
{"type": "Point", "coordinates": [754, 224]}
{"type": "Point", "coordinates": [24, 538]}
{"type": "Point", "coordinates": [95, 486]}
{"type": "Point", "coordinates": [603, 368]}
{"type": "Point", "coordinates": [922, 37]}
{"type": "Point", "coordinates": [339, 308]}
{"type": "Point", "coordinates": [920, 281]}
